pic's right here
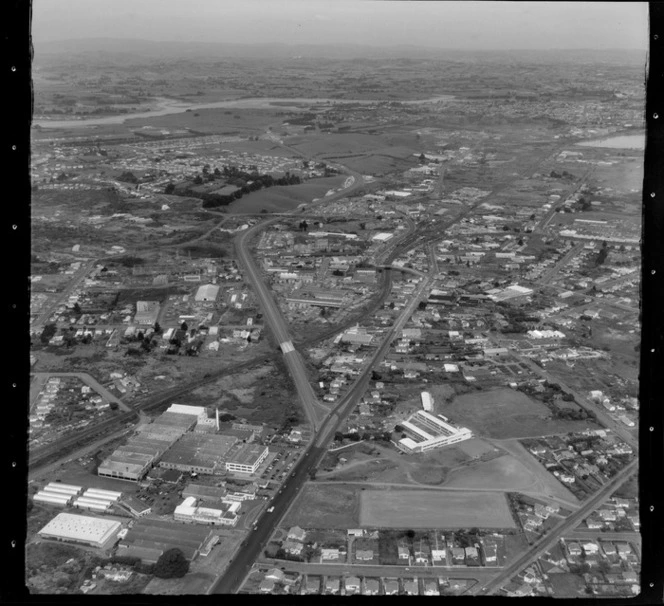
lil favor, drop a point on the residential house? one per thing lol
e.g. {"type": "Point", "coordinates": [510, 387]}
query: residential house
{"type": "Point", "coordinates": [391, 586]}
{"type": "Point", "coordinates": [404, 553]}
{"type": "Point", "coordinates": [590, 548]}
{"type": "Point", "coordinates": [472, 555]}
{"type": "Point", "coordinates": [312, 585]}
{"type": "Point", "coordinates": [490, 553]}
{"type": "Point", "coordinates": [364, 554]}
{"type": "Point", "coordinates": [431, 588]}
{"type": "Point", "coordinates": [411, 587]}
{"type": "Point", "coordinates": [458, 555]}
{"type": "Point", "coordinates": [266, 586]}
{"type": "Point", "coordinates": [329, 554]}
{"type": "Point", "coordinates": [371, 586]}
{"type": "Point", "coordinates": [439, 556]}
{"type": "Point", "coordinates": [293, 547]}
{"type": "Point", "coordinates": [352, 585]}
{"type": "Point", "coordinates": [332, 585]}
{"type": "Point", "coordinates": [296, 534]}
{"type": "Point", "coordinates": [275, 575]}
{"type": "Point", "coordinates": [574, 549]}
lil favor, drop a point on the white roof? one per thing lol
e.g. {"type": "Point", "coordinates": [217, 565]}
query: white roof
{"type": "Point", "coordinates": [184, 409]}
{"type": "Point", "coordinates": [207, 292]}
{"type": "Point", "coordinates": [81, 528]}
{"type": "Point", "coordinates": [408, 443]}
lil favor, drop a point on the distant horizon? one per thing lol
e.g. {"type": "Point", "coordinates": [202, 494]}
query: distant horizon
{"type": "Point", "coordinates": [342, 45]}
{"type": "Point", "coordinates": [445, 25]}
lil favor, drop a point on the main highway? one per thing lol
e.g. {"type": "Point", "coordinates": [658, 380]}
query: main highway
{"type": "Point", "coordinates": [250, 550]}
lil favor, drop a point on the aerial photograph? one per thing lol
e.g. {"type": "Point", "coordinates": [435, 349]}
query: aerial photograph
{"type": "Point", "coordinates": [335, 297]}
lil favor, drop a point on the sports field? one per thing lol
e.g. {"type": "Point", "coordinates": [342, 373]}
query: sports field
{"type": "Point", "coordinates": [433, 509]}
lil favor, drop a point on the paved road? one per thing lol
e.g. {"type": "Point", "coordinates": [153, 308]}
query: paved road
{"type": "Point", "coordinates": [548, 275]}
{"type": "Point", "coordinates": [376, 570]}
{"type": "Point", "coordinates": [78, 277]}
{"type": "Point", "coordinates": [253, 545]}
{"type": "Point", "coordinates": [274, 319]}
{"type": "Point", "coordinates": [547, 542]}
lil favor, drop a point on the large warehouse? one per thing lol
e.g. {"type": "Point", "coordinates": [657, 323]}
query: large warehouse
{"type": "Point", "coordinates": [200, 453]}
{"type": "Point", "coordinates": [135, 458]}
{"type": "Point", "coordinates": [86, 530]}
{"type": "Point", "coordinates": [149, 538]}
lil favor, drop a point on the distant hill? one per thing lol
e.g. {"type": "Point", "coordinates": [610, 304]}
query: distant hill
{"type": "Point", "coordinates": [135, 50]}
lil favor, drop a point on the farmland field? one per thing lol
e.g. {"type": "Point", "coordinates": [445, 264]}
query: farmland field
{"type": "Point", "coordinates": [433, 509]}
{"type": "Point", "coordinates": [506, 413]}
{"type": "Point", "coordinates": [325, 506]}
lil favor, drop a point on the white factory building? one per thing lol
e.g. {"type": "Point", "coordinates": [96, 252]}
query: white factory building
{"type": "Point", "coordinates": [188, 512]}
{"type": "Point", "coordinates": [85, 530]}
{"type": "Point", "coordinates": [200, 412]}
{"type": "Point", "coordinates": [425, 431]}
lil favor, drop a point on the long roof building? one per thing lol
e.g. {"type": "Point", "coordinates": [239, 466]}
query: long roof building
{"type": "Point", "coordinates": [87, 530]}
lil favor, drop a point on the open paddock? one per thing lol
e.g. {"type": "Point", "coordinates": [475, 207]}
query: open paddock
{"type": "Point", "coordinates": [324, 506]}
{"type": "Point", "coordinates": [433, 509]}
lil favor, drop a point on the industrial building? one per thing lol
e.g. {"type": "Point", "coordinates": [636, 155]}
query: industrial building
{"type": "Point", "coordinates": [204, 493]}
{"type": "Point", "coordinates": [425, 431]}
{"type": "Point", "coordinates": [200, 412]}
{"type": "Point", "coordinates": [95, 499]}
{"type": "Point", "coordinates": [57, 494]}
{"type": "Point", "coordinates": [135, 458]}
{"type": "Point", "coordinates": [247, 458]}
{"type": "Point", "coordinates": [86, 530]}
{"type": "Point", "coordinates": [149, 538]}
{"type": "Point", "coordinates": [198, 452]}
{"type": "Point", "coordinates": [188, 511]}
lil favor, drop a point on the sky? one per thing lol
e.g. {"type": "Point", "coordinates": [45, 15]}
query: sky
{"type": "Point", "coordinates": [460, 25]}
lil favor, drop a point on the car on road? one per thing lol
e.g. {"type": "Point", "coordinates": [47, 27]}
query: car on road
{"type": "Point", "coordinates": [271, 509]}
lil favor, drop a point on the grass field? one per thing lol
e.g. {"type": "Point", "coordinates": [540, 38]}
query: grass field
{"type": "Point", "coordinates": [505, 473]}
{"type": "Point", "coordinates": [506, 413]}
{"type": "Point", "coordinates": [433, 509]}
{"type": "Point", "coordinates": [285, 197]}
{"type": "Point", "coordinates": [325, 506]}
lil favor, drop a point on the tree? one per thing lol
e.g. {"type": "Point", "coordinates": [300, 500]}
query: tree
{"type": "Point", "coordinates": [157, 328]}
{"type": "Point", "coordinates": [198, 180]}
{"type": "Point", "coordinates": [113, 405]}
{"type": "Point", "coordinates": [184, 326]}
{"type": "Point", "coordinates": [171, 565]}
{"type": "Point", "coordinates": [170, 188]}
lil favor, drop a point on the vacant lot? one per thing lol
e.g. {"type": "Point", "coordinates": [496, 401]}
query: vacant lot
{"type": "Point", "coordinates": [433, 509]}
{"type": "Point", "coordinates": [325, 506]}
{"type": "Point", "coordinates": [505, 473]}
{"type": "Point", "coordinates": [506, 413]}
